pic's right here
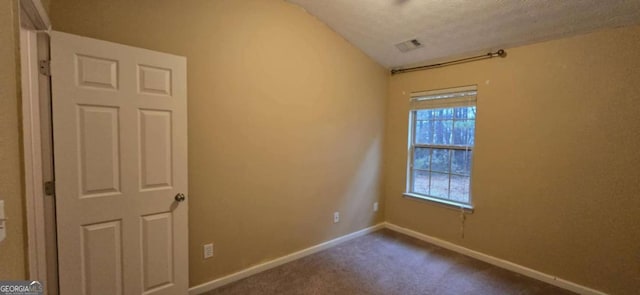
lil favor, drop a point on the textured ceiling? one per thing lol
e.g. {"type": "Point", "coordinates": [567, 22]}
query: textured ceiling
{"type": "Point", "coordinates": [452, 28]}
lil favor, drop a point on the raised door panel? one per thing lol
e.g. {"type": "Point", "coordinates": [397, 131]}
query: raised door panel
{"type": "Point", "coordinates": [97, 72]}
{"type": "Point", "coordinates": [102, 258]}
{"type": "Point", "coordinates": [99, 150]}
{"type": "Point", "coordinates": [157, 251]}
{"type": "Point", "coordinates": [154, 80]}
{"type": "Point", "coordinates": [155, 149]}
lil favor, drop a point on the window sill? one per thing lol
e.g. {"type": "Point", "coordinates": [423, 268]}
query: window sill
{"type": "Point", "coordinates": [439, 202]}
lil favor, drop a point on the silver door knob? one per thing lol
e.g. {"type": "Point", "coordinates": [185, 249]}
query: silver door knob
{"type": "Point", "coordinates": [180, 197]}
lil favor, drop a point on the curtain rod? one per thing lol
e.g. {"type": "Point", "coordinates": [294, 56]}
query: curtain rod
{"type": "Point", "coordinates": [500, 53]}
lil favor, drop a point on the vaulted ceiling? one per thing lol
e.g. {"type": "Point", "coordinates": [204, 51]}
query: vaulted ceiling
{"type": "Point", "coordinates": [452, 28]}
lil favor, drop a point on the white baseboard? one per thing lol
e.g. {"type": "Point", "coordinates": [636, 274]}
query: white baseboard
{"type": "Point", "coordinates": [553, 280]}
{"type": "Point", "coordinates": [208, 286]}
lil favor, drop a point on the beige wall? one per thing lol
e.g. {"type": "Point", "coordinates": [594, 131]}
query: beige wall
{"type": "Point", "coordinates": [556, 178]}
{"type": "Point", "coordinates": [285, 121]}
{"type": "Point", "coordinates": [12, 254]}
{"type": "Point", "coordinates": [45, 4]}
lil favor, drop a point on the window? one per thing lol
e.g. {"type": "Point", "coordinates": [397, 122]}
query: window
{"type": "Point", "coordinates": [441, 138]}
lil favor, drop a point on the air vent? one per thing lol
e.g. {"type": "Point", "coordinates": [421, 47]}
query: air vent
{"type": "Point", "coordinates": [409, 45]}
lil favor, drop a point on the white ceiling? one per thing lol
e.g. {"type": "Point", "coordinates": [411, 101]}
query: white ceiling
{"type": "Point", "coordinates": [452, 28]}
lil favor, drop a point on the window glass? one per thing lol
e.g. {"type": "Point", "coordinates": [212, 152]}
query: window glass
{"type": "Point", "coordinates": [442, 146]}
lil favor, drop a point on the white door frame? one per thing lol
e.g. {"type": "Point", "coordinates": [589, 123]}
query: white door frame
{"type": "Point", "coordinates": [38, 156]}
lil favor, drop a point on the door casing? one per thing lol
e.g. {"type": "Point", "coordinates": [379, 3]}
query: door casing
{"type": "Point", "coordinates": [37, 146]}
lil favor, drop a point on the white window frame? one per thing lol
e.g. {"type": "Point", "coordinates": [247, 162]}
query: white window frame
{"type": "Point", "coordinates": [438, 99]}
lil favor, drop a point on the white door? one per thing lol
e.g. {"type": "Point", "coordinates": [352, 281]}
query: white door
{"type": "Point", "coordinates": [120, 150]}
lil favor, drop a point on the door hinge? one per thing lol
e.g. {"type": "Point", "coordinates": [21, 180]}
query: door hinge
{"type": "Point", "coordinates": [44, 67]}
{"type": "Point", "coordinates": [50, 188]}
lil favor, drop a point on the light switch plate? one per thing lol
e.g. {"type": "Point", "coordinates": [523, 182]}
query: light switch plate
{"type": "Point", "coordinates": [208, 250]}
{"type": "Point", "coordinates": [3, 222]}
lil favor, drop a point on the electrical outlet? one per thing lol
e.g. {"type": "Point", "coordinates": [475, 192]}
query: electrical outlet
{"type": "Point", "coordinates": [208, 250]}
{"type": "Point", "coordinates": [336, 217]}
{"type": "Point", "coordinates": [375, 207]}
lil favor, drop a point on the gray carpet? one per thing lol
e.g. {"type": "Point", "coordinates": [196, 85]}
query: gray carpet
{"type": "Point", "coordinates": [387, 263]}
